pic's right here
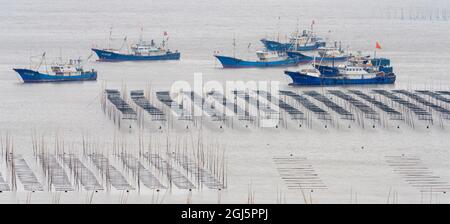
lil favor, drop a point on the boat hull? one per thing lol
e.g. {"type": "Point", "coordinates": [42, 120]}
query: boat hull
{"type": "Point", "coordinates": [277, 46]}
{"type": "Point", "coordinates": [317, 59]}
{"type": "Point", "coordinates": [230, 62]}
{"type": "Point", "coordinates": [30, 76]}
{"type": "Point", "coordinates": [105, 55]}
{"type": "Point", "coordinates": [301, 79]}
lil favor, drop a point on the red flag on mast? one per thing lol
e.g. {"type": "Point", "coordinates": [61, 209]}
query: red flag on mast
{"type": "Point", "coordinates": [378, 46]}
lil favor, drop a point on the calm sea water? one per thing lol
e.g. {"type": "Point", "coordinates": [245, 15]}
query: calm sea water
{"type": "Point", "coordinates": [417, 44]}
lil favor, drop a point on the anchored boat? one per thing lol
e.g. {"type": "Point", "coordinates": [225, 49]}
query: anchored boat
{"type": "Point", "coordinates": [376, 71]}
{"type": "Point", "coordinates": [265, 59]}
{"type": "Point", "coordinates": [60, 72]}
{"type": "Point", "coordinates": [325, 54]}
{"type": "Point", "coordinates": [141, 51]}
{"type": "Point", "coordinates": [304, 41]}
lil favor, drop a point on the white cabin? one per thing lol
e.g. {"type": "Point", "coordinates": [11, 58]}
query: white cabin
{"type": "Point", "coordinates": [267, 56]}
{"type": "Point", "coordinates": [331, 52]}
{"type": "Point", "coordinates": [147, 49]}
{"type": "Point", "coordinates": [74, 67]}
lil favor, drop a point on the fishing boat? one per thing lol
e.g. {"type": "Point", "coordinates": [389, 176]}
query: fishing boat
{"type": "Point", "coordinates": [325, 54]}
{"type": "Point", "coordinates": [59, 72]}
{"type": "Point", "coordinates": [265, 59]}
{"type": "Point", "coordinates": [320, 75]}
{"type": "Point", "coordinates": [304, 41]}
{"type": "Point", "coordinates": [140, 51]}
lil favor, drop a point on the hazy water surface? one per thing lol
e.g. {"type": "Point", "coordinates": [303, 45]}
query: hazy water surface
{"type": "Point", "coordinates": [417, 42]}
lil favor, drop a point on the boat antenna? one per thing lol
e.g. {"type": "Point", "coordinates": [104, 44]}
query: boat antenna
{"type": "Point", "coordinates": [60, 55]}
{"type": "Point", "coordinates": [142, 31]}
{"type": "Point", "coordinates": [166, 38]}
{"type": "Point", "coordinates": [123, 43]}
{"type": "Point", "coordinates": [234, 47]}
{"type": "Point", "coordinates": [110, 37]}
{"type": "Point", "coordinates": [42, 61]}
{"type": "Point", "coordinates": [29, 54]}
{"type": "Point", "coordinates": [278, 29]}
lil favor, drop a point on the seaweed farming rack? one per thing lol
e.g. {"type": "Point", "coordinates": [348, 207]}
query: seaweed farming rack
{"type": "Point", "coordinates": [178, 109]}
{"type": "Point", "coordinates": [210, 110]}
{"type": "Point", "coordinates": [421, 113]}
{"type": "Point", "coordinates": [305, 102]}
{"type": "Point", "coordinates": [332, 105]}
{"type": "Point", "coordinates": [434, 95]}
{"type": "Point", "coordinates": [393, 114]}
{"type": "Point", "coordinates": [365, 109]}
{"type": "Point", "coordinates": [444, 112]}
{"type": "Point", "coordinates": [231, 106]}
{"type": "Point", "coordinates": [261, 106]}
{"type": "Point", "coordinates": [293, 112]}
{"type": "Point", "coordinates": [139, 99]}
{"type": "Point", "coordinates": [125, 109]}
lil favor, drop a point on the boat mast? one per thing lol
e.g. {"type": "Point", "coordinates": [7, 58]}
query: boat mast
{"type": "Point", "coordinates": [278, 29]}
{"type": "Point", "coordinates": [110, 38]}
{"type": "Point", "coordinates": [296, 36]}
{"type": "Point", "coordinates": [41, 62]}
{"type": "Point", "coordinates": [234, 47]}
{"type": "Point", "coordinates": [166, 39]}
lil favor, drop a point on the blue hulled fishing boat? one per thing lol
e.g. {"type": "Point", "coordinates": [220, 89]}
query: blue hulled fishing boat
{"type": "Point", "coordinates": [110, 55]}
{"type": "Point", "coordinates": [60, 72]}
{"type": "Point", "coordinates": [325, 54]}
{"type": "Point", "coordinates": [306, 41]}
{"type": "Point", "coordinates": [141, 51]}
{"type": "Point", "coordinates": [376, 71]}
{"type": "Point", "coordinates": [265, 59]}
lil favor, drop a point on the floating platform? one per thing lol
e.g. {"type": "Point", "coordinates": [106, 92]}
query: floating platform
{"type": "Point", "coordinates": [261, 108]}
{"type": "Point", "coordinates": [434, 95]}
{"type": "Point", "coordinates": [417, 174]}
{"type": "Point", "coordinates": [345, 114]}
{"type": "Point", "coordinates": [121, 105]}
{"type": "Point", "coordinates": [444, 112]}
{"type": "Point", "coordinates": [26, 175]}
{"type": "Point", "coordinates": [112, 175]}
{"type": "Point", "coordinates": [293, 112]}
{"type": "Point", "coordinates": [3, 185]}
{"type": "Point", "coordinates": [420, 113]}
{"type": "Point", "coordinates": [57, 177]}
{"type": "Point", "coordinates": [139, 99]}
{"type": "Point", "coordinates": [145, 176]}
{"type": "Point", "coordinates": [365, 109]}
{"type": "Point", "coordinates": [205, 177]}
{"type": "Point", "coordinates": [174, 176]}
{"type": "Point", "coordinates": [393, 114]}
{"type": "Point", "coordinates": [82, 174]}
{"type": "Point", "coordinates": [199, 101]}
{"type": "Point", "coordinates": [298, 173]}
{"type": "Point", "coordinates": [231, 106]}
{"type": "Point", "coordinates": [305, 102]}
{"type": "Point", "coordinates": [177, 109]}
